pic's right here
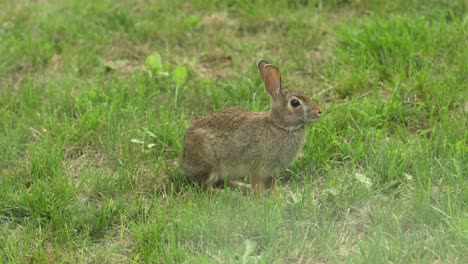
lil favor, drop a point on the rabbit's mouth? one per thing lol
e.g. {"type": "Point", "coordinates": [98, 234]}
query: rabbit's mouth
{"type": "Point", "coordinates": [310, 120]}
{"type": "Point", "coordinates": [312, 115]}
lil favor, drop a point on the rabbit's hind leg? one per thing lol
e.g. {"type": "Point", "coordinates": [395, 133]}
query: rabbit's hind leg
{"type": "Point", "coordinates": [213, 178]}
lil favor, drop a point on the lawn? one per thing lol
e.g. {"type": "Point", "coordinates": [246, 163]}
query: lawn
{"type": "Point", "coordinates": [96, 96]}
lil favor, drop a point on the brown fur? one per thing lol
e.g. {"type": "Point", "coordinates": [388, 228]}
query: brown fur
{"type": "Point", "coordinates": [234, 144]}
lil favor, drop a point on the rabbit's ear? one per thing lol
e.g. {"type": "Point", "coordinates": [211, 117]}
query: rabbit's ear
{"type": "Point", "coordinates": [261, 67]}
{"type": "Point", "coordinates": [272, 80]}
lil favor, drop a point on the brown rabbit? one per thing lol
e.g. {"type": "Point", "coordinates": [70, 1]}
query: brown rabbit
{"type": "Point", "coordinates": [233, 144]}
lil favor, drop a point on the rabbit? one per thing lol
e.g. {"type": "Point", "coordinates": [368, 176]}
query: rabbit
{"type": "Point", "coordinates": [232, 145]}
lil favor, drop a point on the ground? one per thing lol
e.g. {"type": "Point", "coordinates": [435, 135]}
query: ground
{"type": "Point", "coordinates": [95, 98]}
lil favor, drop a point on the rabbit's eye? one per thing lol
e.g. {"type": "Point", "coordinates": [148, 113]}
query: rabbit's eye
{"type": "Point", "coordinates": [295, 103]}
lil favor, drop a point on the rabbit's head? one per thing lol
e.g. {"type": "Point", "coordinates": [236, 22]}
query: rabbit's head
{"type": "Point", "coordinates": [289, 110]}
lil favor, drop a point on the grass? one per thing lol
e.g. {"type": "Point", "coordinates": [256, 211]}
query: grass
{"type": "Point", "coordinates": [92, 126]}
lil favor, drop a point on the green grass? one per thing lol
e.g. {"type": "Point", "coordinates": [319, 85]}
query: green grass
{"type": "Point", "coordinates": [91, 131]}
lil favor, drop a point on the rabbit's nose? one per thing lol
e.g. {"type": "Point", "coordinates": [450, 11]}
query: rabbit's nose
{"type": "Point", "coordinates": [319, 111]}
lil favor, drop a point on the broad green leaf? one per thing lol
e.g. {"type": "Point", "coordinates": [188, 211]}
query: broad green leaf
{"type": "Point", "coordinates": [180, 75]}
{"type": "Point", "coordinates": [192, 20]}
{"type": "Point", "coordinates": [154, 61]}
